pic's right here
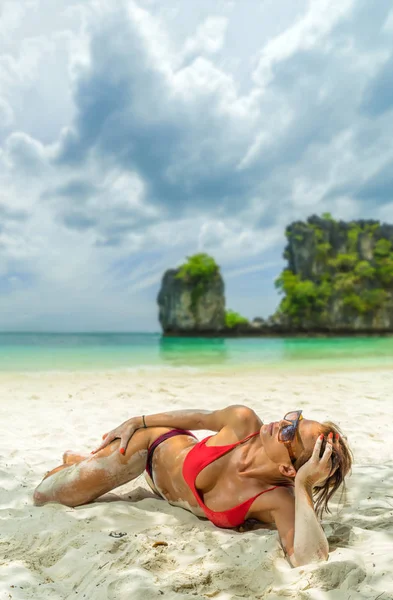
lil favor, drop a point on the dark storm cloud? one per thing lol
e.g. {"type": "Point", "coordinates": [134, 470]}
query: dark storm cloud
{"type": "Point", "coordinates": [378, 97]}
{"type": "Point", "coordinates": [379, 188]}
{"type": "Point", "coordinates": [25, 153]}
{"type": "Point", "coordinates": [78, 220]}
{"type": "Point", "coordinates": [364, 26]}
{"type": "Point", "coordinates": [323, 84]}
{"type": "Point", "coordinates": [129, 113]}
{"type": "Point", "coordinates": [110, 221]}
{"type": "Point", "coordinates": [173, 141]}
{"type": "Point", "coordinates": [10, 214]}
{"type": "Point", "coordinates": [77, 189]}
{"type": "Point", "coordinates": [186, 144]}
{"type": "Point", "coordinates": [112, 234]}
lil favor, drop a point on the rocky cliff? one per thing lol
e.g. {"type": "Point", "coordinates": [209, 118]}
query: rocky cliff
{"type": "Point", "coordinates": [339, 276]}
{"type": "Point", "coordinates": [191, 304]}
{"type": "Point", "coordinates": [338, 280]}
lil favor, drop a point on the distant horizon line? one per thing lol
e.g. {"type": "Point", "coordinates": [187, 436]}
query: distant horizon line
{"type": "Point", "coordinates": [2, 332]}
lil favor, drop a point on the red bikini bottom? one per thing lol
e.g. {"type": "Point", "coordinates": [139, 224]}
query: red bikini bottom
{"type": "Point", "coordinates": [157, 442]}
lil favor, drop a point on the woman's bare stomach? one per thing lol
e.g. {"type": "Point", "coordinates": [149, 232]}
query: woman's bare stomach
{"type": "Point", "coordinates": [167, 467]}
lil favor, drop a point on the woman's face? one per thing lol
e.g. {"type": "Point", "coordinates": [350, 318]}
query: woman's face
{"type": "Point", "coordinates": [306, 435]}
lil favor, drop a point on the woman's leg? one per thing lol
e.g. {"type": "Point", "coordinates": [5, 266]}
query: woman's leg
{"type": "Point", "coordinates": [70, 457]}
{"type": "Point", "coordinates": [91, 477]}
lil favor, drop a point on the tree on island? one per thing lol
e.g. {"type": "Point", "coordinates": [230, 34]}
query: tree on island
{"type": "Point", "coordinates": [234, 319]}
{"type": "Point", "coordinates": [337, 273]}
{"type": "Point", "coordinates": [199, 267]}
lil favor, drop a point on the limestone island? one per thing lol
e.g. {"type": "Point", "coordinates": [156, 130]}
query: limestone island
{"type": "Point", "coordinates": [338, 281]}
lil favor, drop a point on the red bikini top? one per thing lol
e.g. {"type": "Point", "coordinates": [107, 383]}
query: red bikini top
{"type": "Point", "coordinates": [197, 459]}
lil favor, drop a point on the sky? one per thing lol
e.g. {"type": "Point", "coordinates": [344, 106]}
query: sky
{"type": "Point", "coordinates": [136, 133]}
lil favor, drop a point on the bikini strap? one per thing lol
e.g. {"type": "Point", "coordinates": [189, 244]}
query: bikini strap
{"type": "Point", "coordinates": [248, 437]}
{"type": "Point", "coordinates": [270, 490]}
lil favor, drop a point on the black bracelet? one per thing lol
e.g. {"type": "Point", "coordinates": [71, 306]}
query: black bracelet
{"type": "Point", "coordinates": [144, 422]}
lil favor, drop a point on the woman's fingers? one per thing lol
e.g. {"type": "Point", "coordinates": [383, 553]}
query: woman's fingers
{"type": "Point", "coordinates": [317, 447]}
{"type": "Point", "coordinates": [109, 437]}
{"type": "Point", "coordinates": [328, 448]}
{"type": "Point", "coordinates": [124, 439]}
{"type": "Point", "coordinates": [124, 432]}
{"type": "Point", "coordinates": [123, 443]}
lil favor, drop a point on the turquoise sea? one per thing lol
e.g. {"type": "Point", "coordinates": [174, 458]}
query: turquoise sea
{"type": "Point", "coordinates": [24, 352]}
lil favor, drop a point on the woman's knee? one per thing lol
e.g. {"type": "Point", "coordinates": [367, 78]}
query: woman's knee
{"type": "Point", "coordinates": [44, 491]}
{"type": "Point", "coordinates": [50, 488]}
{"type": "Point", "coordinates": [39, 498]}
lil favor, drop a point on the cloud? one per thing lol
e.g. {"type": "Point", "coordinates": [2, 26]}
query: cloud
{"type": "Point", "coordinates": [194, 140]}
{"type": "Point", "coordinates": [110, 203]}
{"type": "Point", "coordinates": [305, 36]}
{"type": "Point", "coordinates": [37, 44]}
{"type": "Point", "coordinates": [6, 114]}
{"type": "Point", "coordinates": [378, 188]}
{"type": "Point", "coordinates": [25, 153]}
{"type": "Point", "coordinates": [140, 145]}
{"type": "Point", "coordinates": [231, 239]}
{"type": "Point", "coordinates": [169, 125]}
{"type": "Point", "coordinates": [10, 214]}
{"type": "Point", "coordinates": [378, 97]}
{"type": "Point", "coordinates": [253, 269]}
{"type": "Point", "coordinates": [208, 39]}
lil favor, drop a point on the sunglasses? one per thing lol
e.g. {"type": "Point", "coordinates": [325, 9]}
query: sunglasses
{"type": "Point", "coordinates": [287, 431]}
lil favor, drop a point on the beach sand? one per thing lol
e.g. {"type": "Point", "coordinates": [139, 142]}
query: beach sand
{"type": "Point", "coordinates": [107, 550]}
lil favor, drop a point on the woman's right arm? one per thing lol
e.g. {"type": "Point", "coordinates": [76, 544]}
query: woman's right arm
{"type": "Point", "coordinates": [236, 417]}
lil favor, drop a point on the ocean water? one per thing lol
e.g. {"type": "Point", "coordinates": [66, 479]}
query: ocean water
{"type": "Point", "coordinates": [26, 352]}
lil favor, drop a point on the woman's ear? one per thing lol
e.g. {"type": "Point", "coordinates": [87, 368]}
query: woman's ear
{"type": "Point", "coordinates": [287, 470]}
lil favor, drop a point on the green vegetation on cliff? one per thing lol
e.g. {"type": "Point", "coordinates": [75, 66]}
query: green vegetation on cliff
{"type": "Point", "coordinates": [233, 319]}
{"type": "Point", "coordinates": [337, 271]}
{"type": "Point", "coordinates": [199, 267]}
{"type": "Point", "coordinates": [199, 270]}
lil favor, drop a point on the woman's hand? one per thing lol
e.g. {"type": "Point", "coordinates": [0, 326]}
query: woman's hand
{"type": "Point", "coordinates": [317, 469]}
{"type": "Point", "coordinates": [125, 431]}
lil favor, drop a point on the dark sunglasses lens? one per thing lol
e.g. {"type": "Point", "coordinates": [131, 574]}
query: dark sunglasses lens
{"type": "Point", "coordinates": [287, 433]}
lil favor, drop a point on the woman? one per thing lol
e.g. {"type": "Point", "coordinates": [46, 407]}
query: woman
{"type": "Point", "coordinates": [269, 472]}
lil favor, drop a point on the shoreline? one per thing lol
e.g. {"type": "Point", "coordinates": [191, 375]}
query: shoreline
{"type": "Point", "coordinates": [230, 371]}
{"type": "Point", "coordinates": [273, 334]}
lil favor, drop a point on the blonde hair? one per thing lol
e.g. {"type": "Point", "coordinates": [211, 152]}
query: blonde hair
{"type": "Point", "coordinates": [341, 463]}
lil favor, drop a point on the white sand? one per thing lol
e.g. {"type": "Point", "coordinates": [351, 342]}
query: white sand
{"type": "Point", "coordinates": [55, 552]}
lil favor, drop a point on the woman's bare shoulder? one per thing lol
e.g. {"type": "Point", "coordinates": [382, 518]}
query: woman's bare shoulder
{"type": "Point", "coordinates": [240, 422]}
{"type": "Point", "coordinates": [246, 422]}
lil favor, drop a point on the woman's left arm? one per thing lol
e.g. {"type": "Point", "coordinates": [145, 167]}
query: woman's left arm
{"type": "Point", "coordinates": [299, 529]}
{"type": "Point", "coordinates": [310, 543]}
